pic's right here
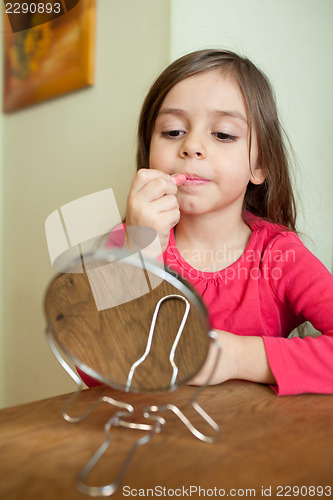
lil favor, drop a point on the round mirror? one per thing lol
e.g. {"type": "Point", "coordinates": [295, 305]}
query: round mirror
{"type": "Point", "coordinates": [127, 322]}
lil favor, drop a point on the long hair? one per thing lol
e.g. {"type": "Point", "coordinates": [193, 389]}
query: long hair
{"type": "Point", "coordinates": [273, 200]}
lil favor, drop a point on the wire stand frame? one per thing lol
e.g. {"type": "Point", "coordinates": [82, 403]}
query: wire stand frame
{"type": "Point", "coordinates": [118, 420]}
{"type": "Point", "coordinates": [150, 339]}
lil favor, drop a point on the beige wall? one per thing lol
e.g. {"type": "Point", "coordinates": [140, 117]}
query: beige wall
{"type": "Point", "coordinates": [61, 150]}
{"type": "Point", "coordinates": [291, 40]}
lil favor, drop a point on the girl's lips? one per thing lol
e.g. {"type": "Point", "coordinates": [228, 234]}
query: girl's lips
{"type": "Point", "coordinates": [194, 180]}
{"type": "Point", "coordinates": [188, 180]}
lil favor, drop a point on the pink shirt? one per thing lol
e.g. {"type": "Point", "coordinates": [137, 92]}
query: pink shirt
{"type": "Point", "coordinates": [275, 286]}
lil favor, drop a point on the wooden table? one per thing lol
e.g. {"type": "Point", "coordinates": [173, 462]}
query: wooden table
{"type": "Point", "coordinates": [265, 442]}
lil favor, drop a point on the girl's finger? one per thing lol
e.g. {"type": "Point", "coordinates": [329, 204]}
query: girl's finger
{"type": "Point", "coordinates": [164, 204]}
{"type": "Point", "coordinates": [146, 175]}
{"type": "Point", "coordinates": [156, 189]}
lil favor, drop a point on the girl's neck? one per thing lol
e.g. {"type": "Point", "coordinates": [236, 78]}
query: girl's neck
{"type": "Point", "coordinates": [212, 242]}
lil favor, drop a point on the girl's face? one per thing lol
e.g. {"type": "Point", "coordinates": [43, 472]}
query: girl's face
{"type": "Point", "coordinates": [202, 131]}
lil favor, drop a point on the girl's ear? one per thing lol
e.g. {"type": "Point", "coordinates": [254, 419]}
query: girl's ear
{"type": "Point", "coordinates": [258, 175]}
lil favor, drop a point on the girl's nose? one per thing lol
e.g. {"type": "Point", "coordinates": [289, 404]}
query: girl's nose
{"type": "Point", "coordinates": [192, 147]}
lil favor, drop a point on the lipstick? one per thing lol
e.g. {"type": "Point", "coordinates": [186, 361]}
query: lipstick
{"type": "Point", "coordinates": [178, 179]}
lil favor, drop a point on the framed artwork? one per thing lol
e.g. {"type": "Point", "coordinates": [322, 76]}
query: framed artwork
{"type": "Point", "coordinates": [49, 50]}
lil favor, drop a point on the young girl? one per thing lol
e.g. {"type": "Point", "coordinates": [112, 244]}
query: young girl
{"type": "Point", "coordinates": [213, 182]}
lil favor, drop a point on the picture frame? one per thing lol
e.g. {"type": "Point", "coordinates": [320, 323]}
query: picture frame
{"type": "Point", "coordinates": [51, 57]}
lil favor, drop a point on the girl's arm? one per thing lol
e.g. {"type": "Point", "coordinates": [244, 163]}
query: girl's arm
{"type": "Point", "coordinates": [291, 365]}
{"type": "Point", "coordinates": [241, 358]}
{"type": "Point", "coordinates": [303, 365]}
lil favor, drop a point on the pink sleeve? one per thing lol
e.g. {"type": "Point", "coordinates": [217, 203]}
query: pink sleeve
{"type": "Point", "coordinates": [87, 379]}
{"type": "Point", "coordinates": [303, 365]}
{"type": "Point", "coordinates": [117, 237]}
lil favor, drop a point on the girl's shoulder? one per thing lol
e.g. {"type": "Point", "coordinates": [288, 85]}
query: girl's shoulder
{"type": "Point", "coordinates": [278, 243]}
{"type": "Point", "coordinates": [269, 238]}
{"type": "Point", "coordinates": [269, 230]}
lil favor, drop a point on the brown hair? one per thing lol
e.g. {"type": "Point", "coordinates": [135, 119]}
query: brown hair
{"type": "Point", "coordinates": [273, 200]}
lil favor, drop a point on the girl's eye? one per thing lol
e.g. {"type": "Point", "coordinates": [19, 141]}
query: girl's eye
{"type": "Point", "coordinates": [224, 137]}
{"type": "Point", "coordinates": [173, 133]}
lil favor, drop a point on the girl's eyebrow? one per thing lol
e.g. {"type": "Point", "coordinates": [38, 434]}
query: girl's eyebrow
{"type": "Point", "coordinates": [217, 113]}
{"type": "Point", "coordinates": [171, 111]}
{"type": "Point", "coordinates": [233, 114]}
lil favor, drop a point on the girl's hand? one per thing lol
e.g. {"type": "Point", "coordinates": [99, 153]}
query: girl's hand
{"type": "Point", "coordinates": [226, 367]}
{"type": "Point", "coordinates": [240, 358]}
{"type": "Point", "coordinates": [152, 202]}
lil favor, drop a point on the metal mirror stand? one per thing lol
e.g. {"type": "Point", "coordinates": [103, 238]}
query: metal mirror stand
{"type": "Point", "coordinates": [125, 410]}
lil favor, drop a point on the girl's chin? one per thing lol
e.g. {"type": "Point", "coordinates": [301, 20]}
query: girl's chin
{"type": "Point", "coordinates": [186, 210]}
